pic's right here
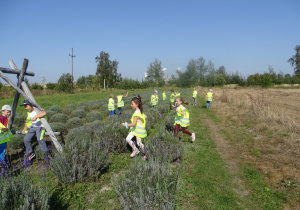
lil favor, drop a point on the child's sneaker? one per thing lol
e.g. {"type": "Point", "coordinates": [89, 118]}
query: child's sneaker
{"type": "Point", "coordinates": [32, 155]}
{"type": "Point", "coordinates": [193, 136]}
{"type": "Point", "coordinates": [134, 153]}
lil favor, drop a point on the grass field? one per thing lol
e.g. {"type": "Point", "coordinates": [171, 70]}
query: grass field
{"type": "Point", "coordinates": [244, 156]}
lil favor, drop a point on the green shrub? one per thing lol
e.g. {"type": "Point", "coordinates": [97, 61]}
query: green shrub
{"type": "Point", "coordinates": [82, 103]}
{"type": "Point", "coordinates": [59, 127]}
{"type": "Point", "coordinates": [78, 113]}
{"type": "Point", "coordinates": [83, 108]}
{"type": "Point", "coordinates": [36, 86]}
{"type": "Point", "coordinates": [164, 147]}
{"type": "Point", "coordinates": [92, 116]}
{"type": "Point", "coordinates": [93, 105]}
{"type": "Point", "coordinates": [82, 158]}
{"type": "Point", "coordinates": [50, 113]}
{"type": "Point", "coordinates": [74, 122]}
{"type": "Point", "coordinates": [104, 108]}
{"type": "Point", "coordinates": [148, 185]}
{"type": "Point", "coordinates": [69, 108]}
{"type": "Point", "coordinates": [51, 86]}
{"type": "Point", "coordinates": [23, 193]}
{"type": "Point", "coordinates": [60, 117]}
{"type": "Point", "coordinates": [16, 142]}
{"type": "Point", "coordinates": [56, 109]}
{"type": "Point", "coordinates": [19, 120]}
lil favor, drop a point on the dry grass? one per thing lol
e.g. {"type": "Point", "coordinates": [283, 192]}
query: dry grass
{"type": "Point", "coordinates": [265, 126]}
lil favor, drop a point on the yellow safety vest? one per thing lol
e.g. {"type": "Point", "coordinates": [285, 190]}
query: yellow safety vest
{"type": "Point", "coordinates": [195, 94]}
{"type": "Point", "coordinates": [209, 96]}
{"type": "Point", "coordinates": [178, 94]}
{"type": "Point", "coordinates": [120, 101]}
{"type": "Point", "coordinates": [28, 120]}
{"type": "Point", "coordinates": [172, 97]}
{"type": "Point", "coordinates": [182, 120]}
{"type": "Point", "coordinates": [139, 130]}
{"type": "Point", "coordinates": [164, 96]}
{"type": "Point", "coordinates": [154, 100]}
{"type": "Point", "coordinates": [5, 136]}
{"type": "Point", "coordinates": [111, 106]}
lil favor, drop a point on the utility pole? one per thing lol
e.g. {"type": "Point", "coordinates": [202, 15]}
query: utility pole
{"type": "Point", "coordinates": [72, 56]}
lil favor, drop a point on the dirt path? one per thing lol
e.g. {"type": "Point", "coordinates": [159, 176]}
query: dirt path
{"type": "Point", "coordinates": [229, 154]}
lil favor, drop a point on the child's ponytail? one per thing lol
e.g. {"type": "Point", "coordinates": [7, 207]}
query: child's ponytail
{"type": "Point", "coordinates": [138, 101]}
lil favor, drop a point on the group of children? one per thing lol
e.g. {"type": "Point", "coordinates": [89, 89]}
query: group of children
{"type": "Point", "coordinates": [33, 128]}
{"type": "Point", "coordinates": [138, 120]}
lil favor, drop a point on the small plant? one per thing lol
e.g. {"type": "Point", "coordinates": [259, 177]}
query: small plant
{"type": "Point", "coordinates": [92, 116]}
{"type": "Point", "coordinates": [60, 117]}
{"type": "Point", "coordinates": [93, 105]}
{"type": "Point", "coordinates": [59, 127]}
{"type": "Point", "coordinates": [50, 113]}
{"type": "Point", "coordinates": [148, 185]}
{"type": "Point", "coordinates": [19, 120]}
{"type": "Point", "coordinates": [74, 122]}
{"type": "Point", "coordinates": [85, 156]}
{"type": "Point", "coordinates": [56, 109]}
{"type": "Point", "coordinates": [78, 113]}
{"type": "Point", "coordinates": [16, 142]}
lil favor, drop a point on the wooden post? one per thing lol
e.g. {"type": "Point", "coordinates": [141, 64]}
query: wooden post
{"type": "Point", "coordinates": [43, 120]}
{"type": "Point", "coordinates": [19, 90]}
{"type": "Point", "coordinates": [17, 94]}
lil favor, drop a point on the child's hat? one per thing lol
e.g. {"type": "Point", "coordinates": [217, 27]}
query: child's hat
{"type": "Point", "coordinates": [6, 107]}
{"type": "Point", "coordinates": [26, 102]}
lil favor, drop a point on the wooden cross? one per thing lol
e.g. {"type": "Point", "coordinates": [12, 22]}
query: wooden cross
{"type": "Point", "coordinates": [27, 95]}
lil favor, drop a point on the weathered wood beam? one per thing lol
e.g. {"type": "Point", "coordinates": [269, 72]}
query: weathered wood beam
{"type": "Point", "coordinates": [46, 133]}
{"type": "Point", "coordinates": [19, 90]}
{"type": "Point", "coordinates": [43, 120]}
{"type": "Point", "coordinates": [17, 94]}
{"type": "Point", "coordinates": [13, 71]}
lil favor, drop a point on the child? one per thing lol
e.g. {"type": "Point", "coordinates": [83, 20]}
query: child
{"type": "Point", "coordinates": [209, 96]}
{"type": "Point", "coordinates": [164, 95]}
{"type": "Point", "coordinates": [111, 105]}
{"type": "Point", "coordinates": [138, 126]}
{"type": "Point", "coordinates": [5, 134]}
{"type": "Point", "coordinates": [34, 127]}
{"type": "Point", "coordinates": [121, 102]}
{"type": "Point", "coordinates": [154, 99]}
{"type": "Point", "coordinates": [182, 118]}
{"type": "Point", "coordinates": [177, 93]}
{"type": "Point", "coordinates": [195, 96]}
{"type": "Point", "coordinates": [172, 98]}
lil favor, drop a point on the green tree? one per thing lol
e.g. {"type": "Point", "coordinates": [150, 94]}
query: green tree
{"type": "Point", "coordinates": [107, 70]}
{"type": "Point", "coordinates": [81, 82]}
{"type": "Point", "coordinates": [295, 60]}
{"type": "Point", "coordinates": [155, 73]}
{"type": "Point", "coordinates": [64, 83]}
{"type": "Point", "coordinates": [219, 80]}
{"type": "Point", "coordinates": [51, 86]}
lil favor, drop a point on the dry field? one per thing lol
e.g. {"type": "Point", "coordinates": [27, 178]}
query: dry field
{"type": "Point", "coordinates": [264, 129]}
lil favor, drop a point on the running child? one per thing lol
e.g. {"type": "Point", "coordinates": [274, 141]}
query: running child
{"type": "Point", "coordinates": [121, 102]}
{"type": "Point", "coordinates": [182, 118]}
{"type": "Point", "coordinates": [154, 99]}
{"type": "Point", "coordinates": [111, 105]}
{"type": "Point", "coordinates": [195, 96]}
{"type": "Point", "coordinates": [137, 126]}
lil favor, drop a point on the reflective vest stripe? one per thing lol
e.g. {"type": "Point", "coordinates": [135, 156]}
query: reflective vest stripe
{"type": "Point", "coordinates": [209, 96]}
{"type": "Point", "coordinates": [184, 121]}
{"type": "Point", "coordinates": [195, 94]}
{"type": "Point", "coordinates": [139, 130]}
{"type": "Point", "coordinates": [111, 106]}
{"type": "Point", "coordinates": [120, 101]}
{"type": "Point", "coordinates": [5, 136]}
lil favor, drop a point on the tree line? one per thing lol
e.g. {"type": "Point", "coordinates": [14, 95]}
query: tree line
{"type": "Point", "coordinates": [198, 72]}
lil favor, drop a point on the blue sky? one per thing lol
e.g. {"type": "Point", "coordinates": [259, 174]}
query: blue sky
{"type": "Point", "coordinates": [244, 36]}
